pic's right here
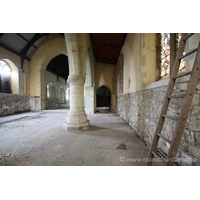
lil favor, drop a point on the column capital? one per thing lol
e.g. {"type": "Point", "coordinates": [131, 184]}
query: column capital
{"type": "Point", "coordinates": [76, 79]}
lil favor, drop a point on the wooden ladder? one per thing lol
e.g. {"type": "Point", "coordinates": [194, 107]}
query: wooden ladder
{"type": "Point", "coordinates": [155, 152]}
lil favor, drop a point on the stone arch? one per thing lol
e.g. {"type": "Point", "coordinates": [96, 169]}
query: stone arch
{"type": "Point", "coordinates": [108, 99]}
{"type": "Point", "coordinates": [44, 65]}
{"type": "Point", "coordinates": [50, 56]}
{"type": "Point", "coordinates": [89, 69]}
{"type": "Point", "coordinates": [89, 83]}
{"type": "Point", "coordinates": [53, 46]}
{"type": "Point", "coordinates": [75, 51]}
{"type": "Point", "coordinates": [14, 75]}
{"type": "Point", "coordinates": [104, 86]}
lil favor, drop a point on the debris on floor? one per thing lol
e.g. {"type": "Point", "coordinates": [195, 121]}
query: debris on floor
{"type": "Point", "coordinates": [122, 147]}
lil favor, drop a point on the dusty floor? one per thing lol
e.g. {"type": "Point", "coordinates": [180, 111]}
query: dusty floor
{"type": "Point", "coordinates": [37, 139]}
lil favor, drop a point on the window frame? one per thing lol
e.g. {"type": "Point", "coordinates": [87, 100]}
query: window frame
{"type": "Point", "coordinates": [173, 52]}
{"type": "Point", "coordinates": [2, 80]}
{"type": "Point", "coordinates": [50, 96]}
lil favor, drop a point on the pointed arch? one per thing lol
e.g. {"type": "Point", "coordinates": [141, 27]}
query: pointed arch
{"type": "Point", "coordinates": [103, 97]}
{"type": "Point", "coordinates": [89, 69]}
{"type": "Point", "coordinates": [12, 81]}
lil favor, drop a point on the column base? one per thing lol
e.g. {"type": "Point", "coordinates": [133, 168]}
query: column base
{"type": "Point", "coordinates": [76, 127]}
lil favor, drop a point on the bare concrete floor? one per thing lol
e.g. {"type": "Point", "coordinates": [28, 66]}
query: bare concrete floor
{"type": "Point", "coordinates": [37, 139]}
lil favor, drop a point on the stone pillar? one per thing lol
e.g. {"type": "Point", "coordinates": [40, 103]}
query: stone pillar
{"type": "Point", "coordinates": [76, 118]}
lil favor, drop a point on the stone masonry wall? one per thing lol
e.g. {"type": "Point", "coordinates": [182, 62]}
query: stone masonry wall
{"type": "Point", "coordinates": [35, 104]}
{"type": "Point", "coordinates": [14, 103]}
{"type": "Point", "coordinates": [142, 109]}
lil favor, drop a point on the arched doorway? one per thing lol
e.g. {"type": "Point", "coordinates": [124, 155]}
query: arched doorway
{"type": "Point", "coordinates": [57, 71]}
{"type": "Point", "coordinates": [103, 99]}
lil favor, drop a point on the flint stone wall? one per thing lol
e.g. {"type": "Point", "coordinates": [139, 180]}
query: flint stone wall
{"type": "Point", "coordinates": [14, 103]}
{"type": "Point", "coordinates": [142, 109]}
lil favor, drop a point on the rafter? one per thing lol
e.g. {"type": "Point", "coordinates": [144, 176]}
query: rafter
{"type": "Point", "coordinates": [121, 48]}
{"type": "Point", "coordinates": [64, 69]}
{"type": "Point", "coordinates": [55, 73]}
{"type": "Point", "coordinates": [106, 58]}
{"type": "Point", "coordinates": [25, 39]}
{"type": "Point", "coordinates": [31, 42]}
{"type": "Point", "coordinates": [13, 51]}
{"type": "Point", "coordinates": [24, 51]}
{"type": "Point", "coordinates": [114, 49]}
{"type": "Point", "coordinates": [108, 45]}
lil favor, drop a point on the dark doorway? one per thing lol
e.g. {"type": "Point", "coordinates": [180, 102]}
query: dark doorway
{"type": "Point", "coordinates": [103, 97]}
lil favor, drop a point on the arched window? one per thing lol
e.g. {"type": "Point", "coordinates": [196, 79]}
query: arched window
{"type": "Point", "coordinates": [67, 94]}
{"type": "Point", "coordinates": [5, 77]}
{"type": "Point", "coordinates": [61, 94]}
{"type": "Point", "coordinates": [51, 91]}
{"type": "Point", "coordinates": [166, 51]}
{"type": "Point", "coordinates": [165, 55]}
{"type": "Point", "coordinates": [183, 61]}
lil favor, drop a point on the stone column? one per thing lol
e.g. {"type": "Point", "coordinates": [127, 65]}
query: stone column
{"type": "Point", "coordinates": [76, 118]}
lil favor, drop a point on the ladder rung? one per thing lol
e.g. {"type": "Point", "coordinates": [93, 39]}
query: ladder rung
{"type": "Point", "coordinates": [177, 96]}
{"type": "Point", "coordinates": [155, 154]}
{"type": "Point", "coordinates": [189, 35]}
{"type": "Point", "coordinates": [159, 157]}
{"type": "Point", "coordinates": [164, 138]}
{"type": "Point", "coordinates": [182, 74]}
{"type": "Point", "coordinates": [187, 54]}
{"type": "Point", "coordinates": [170, 117]}
{"type": "Point", "coordinates": [164, 155]}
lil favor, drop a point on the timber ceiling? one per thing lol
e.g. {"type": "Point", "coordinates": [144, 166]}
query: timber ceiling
{"type": "Point", "coordinates": [23, 44]}
{"type": "Point", "coordinates": [59, 66]}
{"type": "Point", "coordinates": [107, 46]}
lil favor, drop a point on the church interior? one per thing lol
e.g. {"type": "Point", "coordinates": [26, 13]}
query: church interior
{"type": "Point", "coordinates": [92, 99]}
{"type": "Point", "coordinates": [99, 100]}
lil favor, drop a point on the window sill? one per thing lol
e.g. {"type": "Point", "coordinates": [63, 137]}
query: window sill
{"type": "Point", "coordinates": [160, 83]}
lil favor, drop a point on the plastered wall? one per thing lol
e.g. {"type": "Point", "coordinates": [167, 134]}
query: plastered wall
{"type": "Point", "coordinates": [139, 52]}
{"type": "Point", "coordinates": [104, 76]}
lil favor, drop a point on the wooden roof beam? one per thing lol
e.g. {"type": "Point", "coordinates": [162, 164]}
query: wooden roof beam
{"type": "Point", "coordinates": [24, 51]}
{"type": "Point", "coordinates": [13, 51]}
{"type": "Point", "coordinates": [25, 39]}
{"type": "Point", "coordinates": [106, 58]}
{"type": "Point", "coordinates": [31, 42]}
{"type": "Point", "coordinates": [108, 45]}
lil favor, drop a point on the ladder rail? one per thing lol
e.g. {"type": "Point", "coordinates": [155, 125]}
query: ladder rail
{"type": "Point", "coordinates": [185, 108]}
{"type": "Point", "coordinates": [166, 99]}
